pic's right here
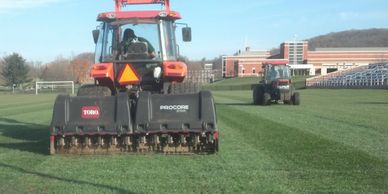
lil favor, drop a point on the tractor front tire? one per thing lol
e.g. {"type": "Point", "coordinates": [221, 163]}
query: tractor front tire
{"type": "Point", "coordinates": [266, 99]}
{"type": "Point", "coordinates": [94, 90]}
{"type": "Point", "coordinates": [257, 95]}
{"type": "Point", "coordinates": [296, 98]}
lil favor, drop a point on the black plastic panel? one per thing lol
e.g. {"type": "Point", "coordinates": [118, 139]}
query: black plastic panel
{"type": "Point", "coordinates": [154, 113]}
{"type": "Point", "coordinates": [184, 112]}
{"type": "Point", "coordinates": [102, 115]}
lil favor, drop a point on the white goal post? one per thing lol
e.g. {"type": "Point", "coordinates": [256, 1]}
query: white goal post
{"type": "Point", "coordinates": [53, 85]}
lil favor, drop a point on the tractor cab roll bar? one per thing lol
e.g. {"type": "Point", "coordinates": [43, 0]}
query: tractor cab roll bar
{"type": "Point", "coordinates": [122, 3]}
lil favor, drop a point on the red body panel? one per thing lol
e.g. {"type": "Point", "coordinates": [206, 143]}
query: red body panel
{"type": "Point", "coordinates": [283, 81]}
{"type": "Point", "coordinates": [138, 14]}
{"type": "Point", "coordinates": [102, 70]}
{"type": "Point", "coordinates": [174, 71]}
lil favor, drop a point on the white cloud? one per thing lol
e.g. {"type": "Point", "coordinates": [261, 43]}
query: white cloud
{"type": "Point", "coordinates": [375, 15]}
{"type": "Point", "coordinates": [346, 16]}
{"type": "Point", "coordinates": [10, 5]}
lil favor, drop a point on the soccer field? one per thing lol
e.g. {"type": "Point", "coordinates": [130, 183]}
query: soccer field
{"type": "Point", "coordinates": [336, 141]}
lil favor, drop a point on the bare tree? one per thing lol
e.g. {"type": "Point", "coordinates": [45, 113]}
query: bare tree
{"type": "Point", "coordinates": [57, 70]}
{"type": "Point", "coordinates": [80, 66]}
{"type": "Point", "coordinates": [2, 82]}
{"type": "Point", "coordinates": [35, 70]}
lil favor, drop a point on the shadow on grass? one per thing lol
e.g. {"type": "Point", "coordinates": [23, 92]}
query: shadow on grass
{"type": "Point", "coordinates": [28, 137]}
{"type": "Point", "coordinates": [71, 181]}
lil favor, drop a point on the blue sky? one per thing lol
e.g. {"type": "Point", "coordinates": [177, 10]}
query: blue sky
{"type": "Point", "coordinates": [41, 30]}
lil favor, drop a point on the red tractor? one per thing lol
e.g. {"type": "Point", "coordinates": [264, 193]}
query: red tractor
{"type": "Point", "coordinates": [131, 106]}
{"type": "Point", "coordinates": [276, 86]}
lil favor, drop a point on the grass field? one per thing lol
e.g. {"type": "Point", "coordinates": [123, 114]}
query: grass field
{"type": "Point", "coordinates": [336, 141]}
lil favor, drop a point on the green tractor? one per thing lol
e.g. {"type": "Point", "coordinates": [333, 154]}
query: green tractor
{"type": "Point", "coordinates": [276, 86]}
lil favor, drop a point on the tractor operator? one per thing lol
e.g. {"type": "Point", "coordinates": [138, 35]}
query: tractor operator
{"type": "Point", "coordinates": [130, 38]}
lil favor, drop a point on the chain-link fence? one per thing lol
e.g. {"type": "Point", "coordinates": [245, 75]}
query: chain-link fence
{"type": "Point", "coordinates": [203, 76]}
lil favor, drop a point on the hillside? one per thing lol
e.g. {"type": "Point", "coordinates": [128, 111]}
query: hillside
{"type": "Point", "coordinates": [351, 38]}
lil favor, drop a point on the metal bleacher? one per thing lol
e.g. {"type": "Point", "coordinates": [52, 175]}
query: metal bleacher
{"type": "Point", "coordinates": [369, 76]}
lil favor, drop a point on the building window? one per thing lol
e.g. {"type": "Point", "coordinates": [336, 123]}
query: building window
{"type": "Point", "coordinates": [296, 53]}
{"type": "Point", "coordinates": [254, 70]}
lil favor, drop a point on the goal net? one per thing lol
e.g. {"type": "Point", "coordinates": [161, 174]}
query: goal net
{"type": "Point", "coordinates": [54, 87]}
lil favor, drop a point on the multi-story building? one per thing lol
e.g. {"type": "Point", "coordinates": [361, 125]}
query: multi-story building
{"type": "Point", "coordinates": [319, 61]}
{"type": "Point", "coordinates": [296, 53]}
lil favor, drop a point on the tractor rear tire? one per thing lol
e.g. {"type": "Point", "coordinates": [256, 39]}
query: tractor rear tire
{"type": "Point", "coordinates": [257, 95]}
{"type": "Point", "coordinates": [94, 90]}
{"type": "Point", "coordinates": [266, 99]}
{"type": "Point", "coordinates": [296, 98]}
{"type": "Point", "coordinates": [215, 148]}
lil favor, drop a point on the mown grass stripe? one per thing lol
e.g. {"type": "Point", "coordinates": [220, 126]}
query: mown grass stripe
{"type": "Point", "coordinates": [19, 113]}
{"type": "Point", "coordinates": [352, 128]}
{"type": "Point", "coordinates": [242, 158]}
{"type": "Point", "coordinates": [23, 105]}
{"type": "Point", "coordinates": [297, 149]}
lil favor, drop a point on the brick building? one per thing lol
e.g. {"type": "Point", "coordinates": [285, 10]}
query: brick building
{"type": "Point", "coordinates": [327, 60]}
{"type": "Point", "coordinates": [302, 61]}
{"type": "Point", "coordinates": [245, 64]}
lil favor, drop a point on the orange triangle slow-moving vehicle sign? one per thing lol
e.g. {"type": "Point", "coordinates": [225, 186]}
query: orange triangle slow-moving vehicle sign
{"type": "Point", "coordinates": [128, 76]}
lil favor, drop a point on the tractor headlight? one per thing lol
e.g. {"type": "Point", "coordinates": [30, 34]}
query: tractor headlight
{"type": "Point", "coordinates": [163, 14]}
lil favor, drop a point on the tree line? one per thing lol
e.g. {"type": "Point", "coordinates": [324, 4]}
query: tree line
{"type": "Point", "coordinates": [15, 71]}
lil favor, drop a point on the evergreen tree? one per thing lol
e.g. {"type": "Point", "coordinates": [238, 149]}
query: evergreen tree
{"type": "Point", "coordinates": [15, 70]}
